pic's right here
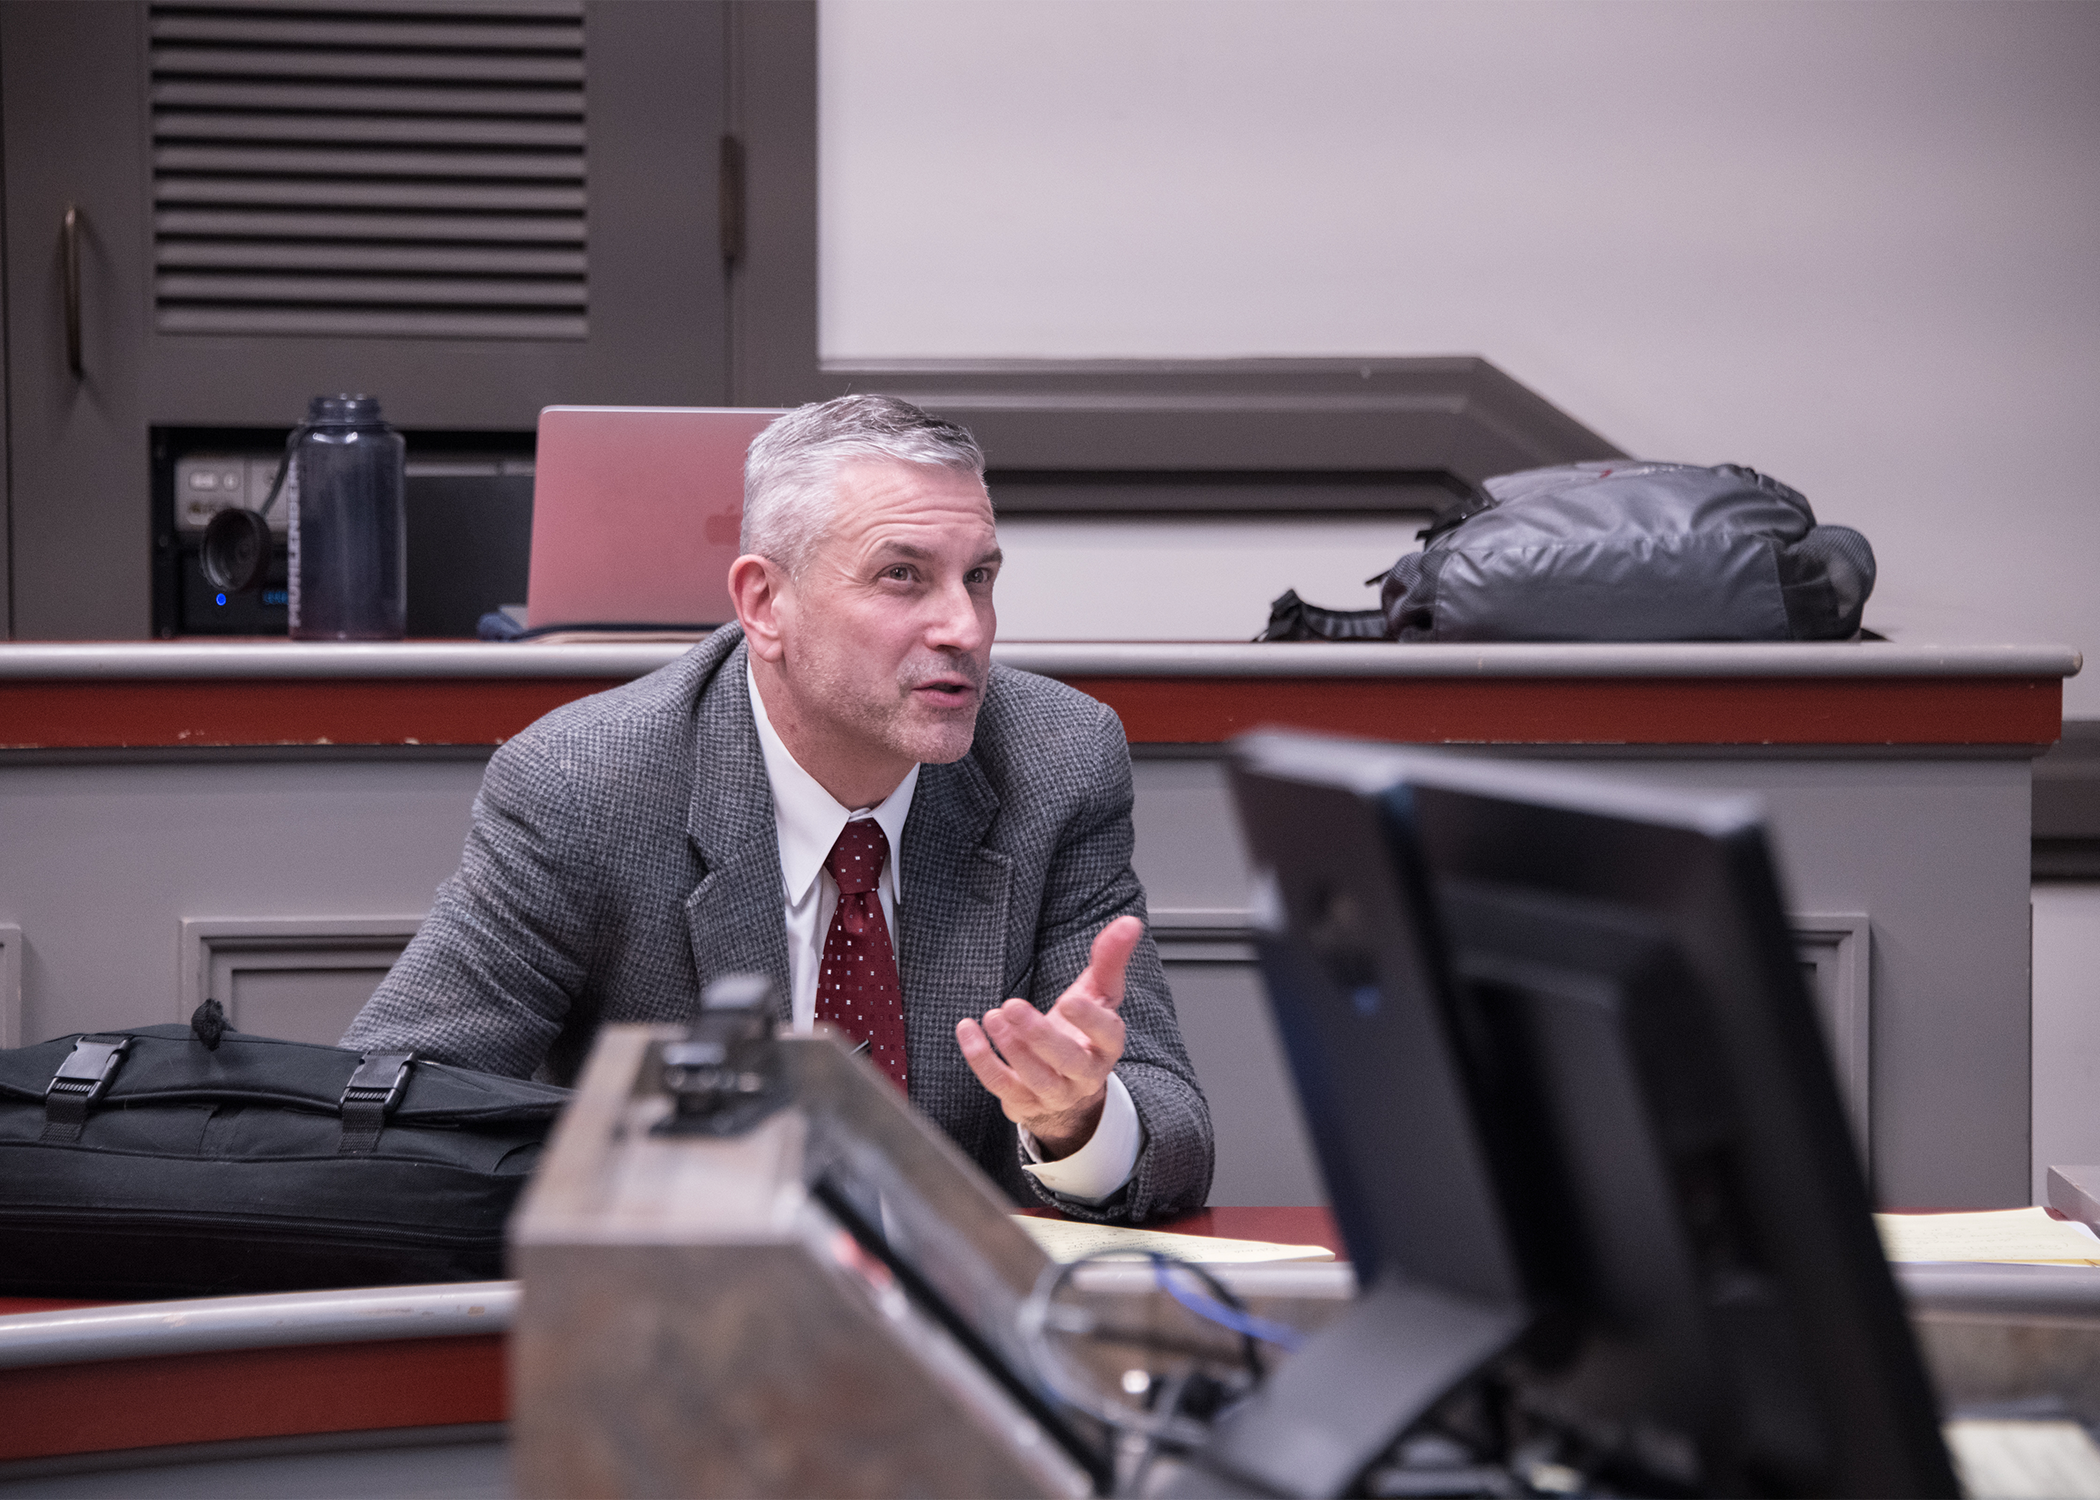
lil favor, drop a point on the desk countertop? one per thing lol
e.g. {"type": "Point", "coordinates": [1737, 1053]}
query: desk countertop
{"type": "Point", "coordinates": [130, 1375]}
{"type": "Point", "coordinates": [150, 1374]}
{"type": "Point", "coordinates": [28, 661]}
{"type": "Point", "coordinates": [110, 695]}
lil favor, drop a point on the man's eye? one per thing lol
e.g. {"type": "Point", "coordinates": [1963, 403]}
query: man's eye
{"type": "Point", "coordinates": [900, 571]}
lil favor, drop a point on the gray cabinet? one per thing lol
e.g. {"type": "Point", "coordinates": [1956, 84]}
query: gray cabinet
{"type": "Point", "coordinates": [471, 210]}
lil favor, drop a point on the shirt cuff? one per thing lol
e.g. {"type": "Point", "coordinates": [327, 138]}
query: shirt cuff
{"type": "Point", "coordinates": [1099, 1168]}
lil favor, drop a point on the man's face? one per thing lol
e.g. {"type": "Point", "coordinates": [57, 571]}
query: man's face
{"type": "Point", "coordinates": [888, 630]}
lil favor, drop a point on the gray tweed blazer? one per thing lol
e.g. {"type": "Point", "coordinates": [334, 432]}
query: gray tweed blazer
{"type": "Point", "coordinates": [622, 854]}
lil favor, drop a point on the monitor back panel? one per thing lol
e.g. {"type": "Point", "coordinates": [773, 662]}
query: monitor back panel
{"type": "Point", "coordinates": [635, 514]}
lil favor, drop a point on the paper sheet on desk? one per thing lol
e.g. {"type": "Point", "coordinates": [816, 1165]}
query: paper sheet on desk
{"type": "Point", "coordinates": [1068, 1239]}
{"type": "Point", "coordinates": [2021, 1235]}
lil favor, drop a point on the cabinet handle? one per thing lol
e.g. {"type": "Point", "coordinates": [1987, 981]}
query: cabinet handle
{"type": "Point", "coordinates": [69, 242]}
{"type": "Point", "coordinates": [730, 190]}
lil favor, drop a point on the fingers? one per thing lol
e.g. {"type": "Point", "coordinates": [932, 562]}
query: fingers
{"type": "Point", "coordinates": [1037, 1064]}
{"type": "Point", "coordinates": [1101, 1026]}
{"type": "Point", "coordinates": [1102, 979]}
{"type": "Point", "coordinates": [1041, 1064]}
{"type": "Point", "coordinates": [990, 1069]}
{"type": "Point", "coordinates": [1077, 1034]}
{"type": "Point", "coordinates": [1030, 1068]}
{"type": "Point", "coordinates": [1043, 1050]}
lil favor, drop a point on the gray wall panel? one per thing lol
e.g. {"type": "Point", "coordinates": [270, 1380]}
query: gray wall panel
{"type": "Point", "coordinates": [2066, 1028]}
{"type": "Point", "coordinates": [1936, 852]}
{"type": "Point", "coordinates": [1932, 851]}
{"type": "Point", "coordinates": [1189, 850]}
{"type": "Point", "coordinates": [1265, 1153]}
{"type": "Point", "coordinates": [105, 861]}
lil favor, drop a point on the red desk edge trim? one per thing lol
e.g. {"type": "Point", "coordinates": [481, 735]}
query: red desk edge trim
{"type": "Point", "coordinates": [110, 1405]}
{"type": "Point", "coordinates": [157, 713]}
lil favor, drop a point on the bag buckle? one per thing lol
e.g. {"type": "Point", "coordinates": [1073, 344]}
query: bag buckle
{"type": "Point", "coordinates": [379, 1080]}
{"type": "Point", "coordinates": [81, 1079]}
{"type": "Point", "coordinates": [369, 1097]}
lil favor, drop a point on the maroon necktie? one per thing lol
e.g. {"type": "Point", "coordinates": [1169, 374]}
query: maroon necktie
{"type": "Point", "coordinates": [857, 989]}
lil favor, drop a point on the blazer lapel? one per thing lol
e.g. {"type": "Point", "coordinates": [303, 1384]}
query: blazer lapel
{"type": "Point", "coordinates": [733, 917]}
{"type": "Point", "coordinates": [952, 920]}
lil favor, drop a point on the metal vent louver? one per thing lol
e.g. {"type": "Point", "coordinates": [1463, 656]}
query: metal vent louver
{"type": "Point", "coordinates": [388, 168]}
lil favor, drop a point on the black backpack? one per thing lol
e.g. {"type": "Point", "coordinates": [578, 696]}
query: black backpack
{"type": "Point", "coordinates": [1616, 550]}
{"type": "Point", "coordinates": [149, 1163]}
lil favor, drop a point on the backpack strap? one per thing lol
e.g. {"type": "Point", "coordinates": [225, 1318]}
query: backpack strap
{"type": "Point", "coordinates": [1450, 517]}
{"type": "Point", "coordinates": [370, 1096]}
{"type": "Point", "coordinates": [1292, 619]}
{"type": "Point", "coordinates": [80, 1080]}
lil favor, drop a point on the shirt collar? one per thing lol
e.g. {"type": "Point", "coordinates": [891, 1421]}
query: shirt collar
{"type": "Point", "coordinates": [807, 819]}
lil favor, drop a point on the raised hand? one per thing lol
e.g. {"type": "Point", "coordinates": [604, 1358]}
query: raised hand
{"type": "Point", "coordinates": [1050, 1069]}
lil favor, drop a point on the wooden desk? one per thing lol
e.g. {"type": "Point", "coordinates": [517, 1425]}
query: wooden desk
{"type": "Point", "coordinates": [239, 1394]}
{"type": "Point", "coordinates": [454, 1387]}
{"type": "Point", "coordinates": [1280, 1226]}
{"type": "Point", "coordinates": [271, 819]}
{"type": "Point", "coordinates": [184, 694]}
{"type": "Point", "coordinates": [230, 1394]}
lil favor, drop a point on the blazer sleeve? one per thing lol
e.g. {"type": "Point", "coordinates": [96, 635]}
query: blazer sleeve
{"type": "Point", "coordinates": [489, 979]}
{"type": "Point", "coordinates": [1090, 884]}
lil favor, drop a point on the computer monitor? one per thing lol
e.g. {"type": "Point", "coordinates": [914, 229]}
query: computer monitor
{"type": "Point", "coordinates": [1581, 1133]}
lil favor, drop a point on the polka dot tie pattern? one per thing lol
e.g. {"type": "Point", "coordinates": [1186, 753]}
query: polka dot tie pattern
{"type": "Point", "coordinates": [857, 987]}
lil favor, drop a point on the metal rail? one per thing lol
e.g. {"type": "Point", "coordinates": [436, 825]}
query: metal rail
{"type": "Point", "coordinates": [360, 1315]}
{"type": "Point", "coordinates": [189, 660]}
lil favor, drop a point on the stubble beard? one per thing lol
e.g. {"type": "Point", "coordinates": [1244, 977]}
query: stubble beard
{"type": "Point", "coordinates": [891, 715]}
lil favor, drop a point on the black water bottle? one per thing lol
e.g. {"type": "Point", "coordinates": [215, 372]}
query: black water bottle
{"type": "Point", "coordinates": [349, 526]}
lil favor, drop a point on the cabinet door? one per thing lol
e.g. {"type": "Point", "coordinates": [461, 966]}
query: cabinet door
{"type": "Point", "coordinates": [470, 210]}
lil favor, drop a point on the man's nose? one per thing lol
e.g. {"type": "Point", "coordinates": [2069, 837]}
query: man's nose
{"type": "Point", "coordinates": [956, 624]}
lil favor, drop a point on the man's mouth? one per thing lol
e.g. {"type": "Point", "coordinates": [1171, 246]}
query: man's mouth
{"type": "Point", "coordinates": [949, 692]}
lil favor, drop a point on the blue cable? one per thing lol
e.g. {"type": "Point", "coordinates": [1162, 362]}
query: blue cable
{"type": "Point", "coordinates": [1246, 1324]}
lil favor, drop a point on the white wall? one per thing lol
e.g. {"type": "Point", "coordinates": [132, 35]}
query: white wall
{"type": "Point", "coordinates": [1855, 245]}
{"type": "Point", "coordinates": [1186, 580]}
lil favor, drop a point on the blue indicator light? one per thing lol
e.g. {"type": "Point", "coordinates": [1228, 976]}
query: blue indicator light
{"type": "Point", "coordinates": [222, 598]}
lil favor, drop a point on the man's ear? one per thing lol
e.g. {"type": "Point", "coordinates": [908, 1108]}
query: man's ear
{"type": "Point", "coordinates": [757, 586]}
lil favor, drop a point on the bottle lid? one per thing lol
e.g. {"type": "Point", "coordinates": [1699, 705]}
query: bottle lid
{"type": "Point", "coordinates": [343, 411]}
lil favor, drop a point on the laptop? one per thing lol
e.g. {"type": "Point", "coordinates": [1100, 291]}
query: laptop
{"type": "Point", "coordinates": [635, 514]}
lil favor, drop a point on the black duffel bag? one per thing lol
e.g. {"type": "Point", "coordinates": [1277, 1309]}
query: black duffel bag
{"type": "Point", "coordinates": [1615, 550]}
{"type": "Point", "coordinates": [178, 1161]}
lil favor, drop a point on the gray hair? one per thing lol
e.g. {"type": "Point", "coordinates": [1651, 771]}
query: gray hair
{"type": "Point", "coordinates": [788, 493]}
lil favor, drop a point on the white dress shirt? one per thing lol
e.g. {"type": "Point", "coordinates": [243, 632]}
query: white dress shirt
{"type": "Point", "coordinates": [807, 821]}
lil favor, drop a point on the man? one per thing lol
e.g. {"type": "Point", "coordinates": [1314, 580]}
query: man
{"type": "Point", "coordinates": [842, 792]}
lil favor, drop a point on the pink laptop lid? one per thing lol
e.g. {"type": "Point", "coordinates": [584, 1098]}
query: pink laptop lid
{"type": "Point", "coordinates": [635, 512]}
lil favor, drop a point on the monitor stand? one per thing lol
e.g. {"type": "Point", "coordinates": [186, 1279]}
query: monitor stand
{"type": "Point", "coordinates": [1354, 1388]}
